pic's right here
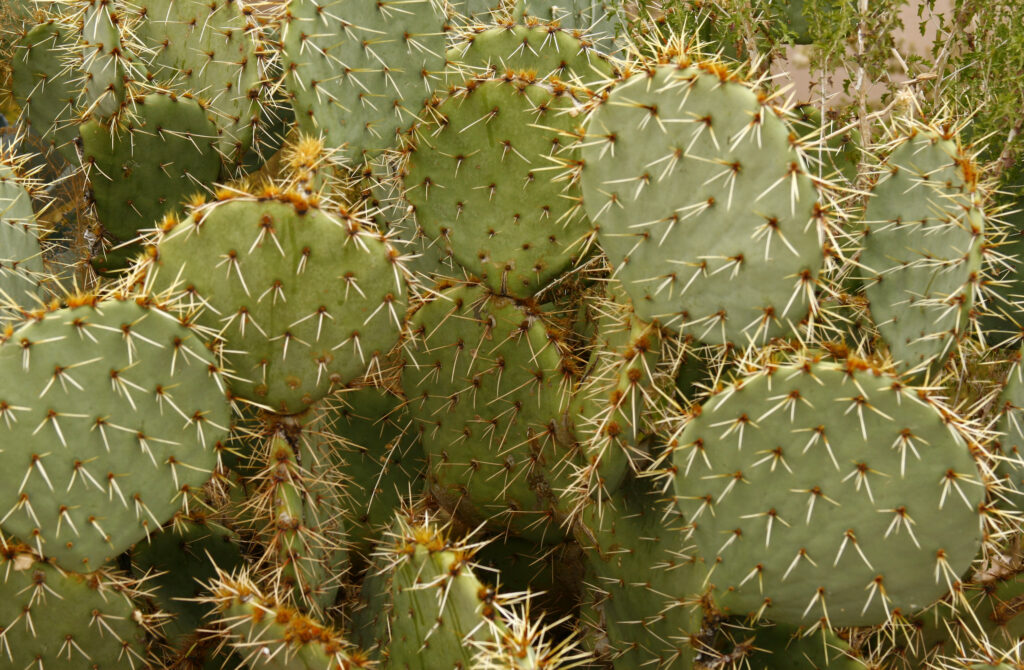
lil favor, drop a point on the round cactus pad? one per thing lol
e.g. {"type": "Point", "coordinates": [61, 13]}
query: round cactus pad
{"type": "Point", "coordinates": [828, 490]}
{"type": "Point", "coordinates": [304, 299]}
{"type": "Point", "coordinates": [486, 180]}
{"type": "Point", "coordinates": [703, 204]}
{"type": "Point", "coordinates": [112, 423]}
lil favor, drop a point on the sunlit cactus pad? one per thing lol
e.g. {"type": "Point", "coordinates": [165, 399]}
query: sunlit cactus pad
{"type": "Point", "coordinates": [492, 179]}
{"type": "Point", "coordinates": [305, 298]}
{"type": "Point", "coordinates": [703, 203]}
{"type": "Point", "coordinates": [359, 71]}
{"type": "Point", "coordinates": [53, 619]}
{"type": "Point", "coordinates": [828, 490]}
{"type": "Point", "coordinates": [110, 428]}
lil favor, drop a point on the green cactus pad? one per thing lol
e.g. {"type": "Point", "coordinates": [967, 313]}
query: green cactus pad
{"type": "Point", "coordinates": [922, 247]}
{"type": "Point", "coordinates": [448, 608]}
{"type": "Point", "coordinates": [1009, 445]}
{"type": "Point", "coordinates": [104, 63]}
{"type": "Point", "coordinates": [360, 71]}
{"type": "Point", "coordinates": [21, 255]}
{"type": "Point", "coordinates": [44, 87]}
{"type": "Point", "coordinates": [146, 161]}
{"type": "Point", "coordinates": [382, 457]}
{"type": "Point", "coordinates": [212, 50]}
{"type": "Point", "coordinates": [178, 562]}
{"type": "Point", "coordinates": [600, 20]}
{"type": "Point", "coordinates": [617, 398]}
{"type": "Point", "coordinates": [706, 208]}
{"type": "Point", "coordinates": [304, 299]}
{"type": "Point", "coordinates": [486, 180]}
{"type": "Point", "coordinates": [643, 582]}
{"type": "Point", "coordinates": [485, 378]}
{"type": "Point", "coordinates": [55, 619]}
{"type": "Point", "coordinates": [542, 48]}
{"type": "Point", "coordinates": [821, 490]}
{"type": "Point", "coordinates": [111, 425]}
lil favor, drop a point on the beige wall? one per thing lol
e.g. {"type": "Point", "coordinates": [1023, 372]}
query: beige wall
{"type": "Point", "coordinates": [909, 41]}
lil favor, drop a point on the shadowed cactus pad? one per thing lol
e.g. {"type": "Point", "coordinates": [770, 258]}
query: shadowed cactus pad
{"type": "Point", "coordinates": [112, 424]}
{"type": "Point", "coordinates": [305, 299]}
{"type": "Point", "coordinates": [148, 160]}
{"type": "Point", "coordinates": [44, 88]}
{"type": "Point", "coordinates": [697, 188]}
{"type": "Point", "coordinates": [827, 490]}
{"type": "Point", "coordinates": [486, 386]}
{"type": "Point", "coordinates": [21, 254]}
{"type": "Point", "coordinates": [211, 49]}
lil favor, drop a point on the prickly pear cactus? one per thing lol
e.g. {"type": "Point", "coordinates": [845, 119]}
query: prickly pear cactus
{"type": "Point", "coordinates": [110, 429]}
{"type": "Point", "coordinates": [52, 618]}
{"type": "Point", "coordinates": [924, 227]}
{"type": "Point", "coordinates": [148, 161]}
{"type": "Point", "coordinates": [305, 298]}
{"type": "Point", "coordinates": [699, 189]}
{"type": "Point", "coordinates": [821, 490]}
{"type": "Point", "coordinates": [485, 380]}
{"type": "Point", "coordinates": [510, 335]}
{"type": "Point", "coordinates": [21, 254]}
{"type": "Point", "coordinates": [492, 179]}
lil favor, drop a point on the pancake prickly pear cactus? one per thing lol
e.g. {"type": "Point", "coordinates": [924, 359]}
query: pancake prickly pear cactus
{"type": "Point", "coordinates": [508, 335]}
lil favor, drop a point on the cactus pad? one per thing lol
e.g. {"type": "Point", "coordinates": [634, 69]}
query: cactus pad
{"type": "Point", "coordinates": [699, 189]}
{"type": "Point", "coordinates": [360, 71]}
{"type": "Point", "coordinates": [484, 377]}
{"type": "Point", "coordinates": [486, 180]}
{"type": "Point", "coordinates": [828, 491]}
{"type": "Point", "coordinates": [148, 160]}
{"type": "Point", "coordinates": [922, 247]}
{"type": "Point", "coordinates": [304, 299]}
{"type": "Point", "coordinates": [55, 619]}
{"type": "Point", "coordinates": [112, 424]}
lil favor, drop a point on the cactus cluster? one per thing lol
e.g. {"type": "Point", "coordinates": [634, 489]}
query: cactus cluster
{"type": "Point", "coordinates": [420, 335]}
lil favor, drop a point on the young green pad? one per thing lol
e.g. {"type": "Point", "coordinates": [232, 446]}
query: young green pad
{"type": "Point", "coordinates": [146, 161]}
{"type": "Point", "coordinates": [305, 300]}
{"type": "Point", "coordinates": [828, 491]}
{"type": "Point", "coordinates": [360, 71]}
{"type": "Point", "coordinates": [55, 619]}
{"type": "Point", "coordinates": [706, 209]}
{"type": "Point", "coordinates": [111, 425]}
{"type": "Point", "coordinates": [487, 180]}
